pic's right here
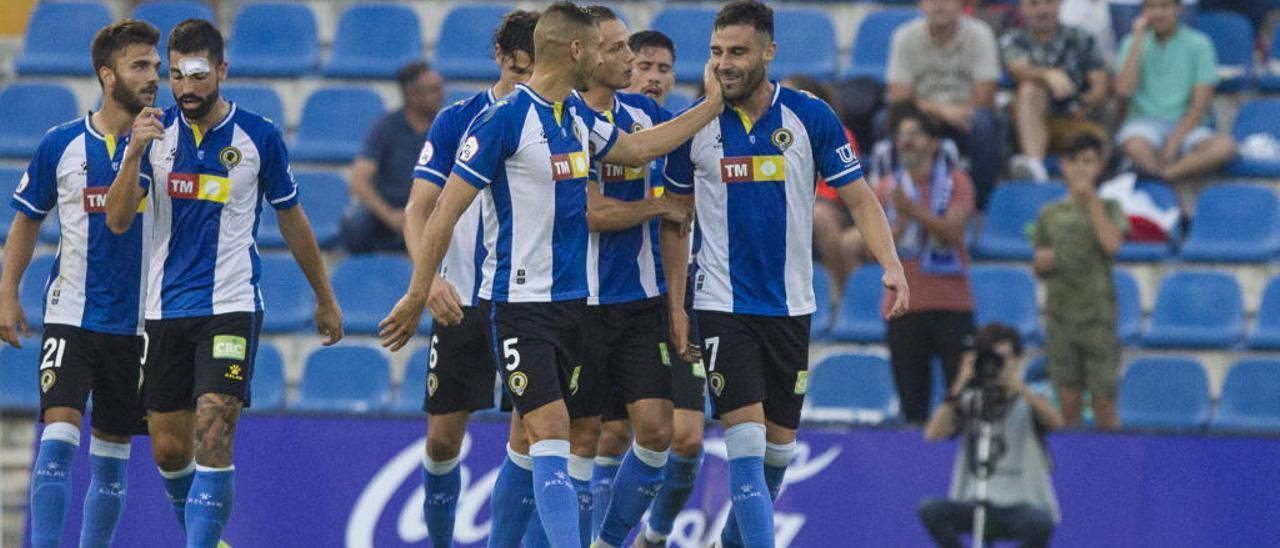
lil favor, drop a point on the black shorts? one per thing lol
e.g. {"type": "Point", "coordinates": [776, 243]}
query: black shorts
{"type": "Point", "coordinates": [688, 380]}
{"type": "Point", "coordinates": [752, 359]}
{"type": "Point", "coordinates": [187, 357]}
{"type": "Point", "coordinates": [627, 355]}
{"type": "Point", "coordinates": [75, 361]}
{"type": "Point", "coordinates": [537, 348]}
{"type": "Point", "coordinates": [460, 371]}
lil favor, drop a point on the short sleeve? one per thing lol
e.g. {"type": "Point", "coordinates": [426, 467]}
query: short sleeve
{"type": "Point", "coordinates": [1205, 63]}
{"type": "Point", "coordinates": [378, 140]}
{"type": "Point", "coordinates": [279, 187]}
{"type": "Point", "coordinates": [678, 171]}
{"type": "Point", "coordinates": [37, 191]}
{"type": "Point", "coordinates": [834, 155]}
{"type": "Point", "coordinates": [436, 159]}
{"type": "Point", "coordinates": [900, 69]}
{"type": "Point", "coordinates": [1117, 216]}
{"type": "Point", "coordinates": [489, 142]}
{"type": "Point", "coordinates": [987, 63]}
{"type": "Point", "coordinates": [1123, 52]}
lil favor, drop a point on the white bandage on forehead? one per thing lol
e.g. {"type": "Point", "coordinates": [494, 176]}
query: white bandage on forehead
{"type": "Point", "coordinates": [192, 66]}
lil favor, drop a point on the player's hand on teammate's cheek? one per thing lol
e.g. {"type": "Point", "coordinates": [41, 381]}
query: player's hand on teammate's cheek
{"type": "Point", "coordinates": [711, 83]}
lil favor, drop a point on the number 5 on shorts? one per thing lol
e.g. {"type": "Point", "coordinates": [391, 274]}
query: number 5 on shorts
{"type": "Point", "coordinates": [510, 354]}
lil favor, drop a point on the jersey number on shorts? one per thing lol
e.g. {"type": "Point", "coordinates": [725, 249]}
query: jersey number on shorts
{"type": "Point", "coordinates": [433, 357]}
{"type": "Point", "coordinates": [510, 354]}
{"type": "Point", "coordinates": [53, 351]}
{"type": "Point", "coordinates": [713, 347]}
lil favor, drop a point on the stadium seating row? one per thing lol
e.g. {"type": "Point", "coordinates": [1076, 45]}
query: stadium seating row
{"type": "Point", "coordinates": [1156, 392]}
{"type": "Point", "coordinates": [1194, 309]}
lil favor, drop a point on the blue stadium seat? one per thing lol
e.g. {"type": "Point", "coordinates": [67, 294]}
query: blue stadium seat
{"type": "Point", "coordinates": [367, 298]}
{"type": "Point", "coordinates": [690, 29]}
{"type": "Point", "coordinates": [871, 43]}
{"type": "Point", "coordinates": [268, 388]}
{"type": "Point", "coordinates": [1269, 79]}
{"type": "Point", "coordinates": [58, 38]}
{"type": "Point", "coordinates": [1129, 304]}
{"type": "Point", "coordinates": [29, 109]}
{"type": "Point", "coordinates": [259, 99]}
{"type": "Point", "coordinates": [413, 386]}
{"type": "Point", "coordinates": [859, 320]}
{"type": "Point", "coordinates": [1164, 197]}
{"type": "Point", "coordinates": [1007, 295]}
{"type": "Point", "coordinates": [9, 179]}
{"type": "Point", "coordinates": [352, 378]}
{"type": "Point", "coordinates": [806, 40]}
{"type": "Point", "coordinates": [1164, 392]}
{"type": "Point", "coordinates": [323, 195]}
{"type": "Point", "coordinates": [1197, 309]}
{"type": "Point", "coordinates": [31, 289]}
{"type": "Point", "coordinates": [286, 296]}
{"type": "Point", "coordinates": [1014, 207]}
{"type": "Point", "coordinates": [274, 40]}
{"type": "Point", "coordinates": [1257, 117]}
{"type": "Point", "coordinates": [464, 50]}
{"type": "Point", "coordinates": [1250, 398]}
{"type": "Point", "coordinates": [166, 14]}
{"type": "Point", "coordinates": [1234, 223]}
{"type": "Point", "coordinates": [820, 322]}
{"type": "Point", "coordinates": [850, 387]}
{"type": "Point", "coordinates": [1266, 332]}
{"type": "Point", "coordinates": [1232, 37]}
{"type": "Point", "coordinates": [20, 376]}
{"type": "Point", "coordinates": [677, 101]}
{"type": "Point", "coordinates": [374, 40]}
{"type": "Point", "coordinates": [334, 123]}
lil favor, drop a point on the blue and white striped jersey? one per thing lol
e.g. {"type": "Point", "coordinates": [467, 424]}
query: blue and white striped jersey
{"type": "Point", "coordinates": [532, 156]}
{"type": "Point", "coordinates": [626, 265]}
{"type": "Point", "coordinates": [209, 187]}
{"type": "Point", "coordinates": [461, 263]}
{"type": "Point", "coordinates": [755, 185]}
{"type": "Point", "coordinates": [96, 281]}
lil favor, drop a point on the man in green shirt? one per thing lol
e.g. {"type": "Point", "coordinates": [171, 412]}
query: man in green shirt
{"type": "Point", "coordinates": [1075, 240]}
{"type": "Point", "coordinates": [1166, 74]}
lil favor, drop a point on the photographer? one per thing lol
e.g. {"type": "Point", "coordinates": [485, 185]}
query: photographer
{"type": "Point", "coordinates": [1021, 504]}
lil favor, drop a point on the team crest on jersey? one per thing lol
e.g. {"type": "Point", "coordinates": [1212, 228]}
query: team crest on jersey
{"type": "Point", "coordinates": [782, 138]}
{"type": "Point", "coordinates": [518, 382]}
{"type": "Point", "coordinates": [47, 378]}
{"type": "Point", "coordinates": [636, 127]}
{"type": "Point", "coordinates": [230, 157]}
{"type": "Point", "coordinates": [717, 383]}
{"type": "Point", "coordinates": [469, 149]}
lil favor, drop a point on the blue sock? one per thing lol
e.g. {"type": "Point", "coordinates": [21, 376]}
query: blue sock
{"type": "Point", "coordinates": [512, 500]}
{"type": "Point", "coordinates": [177, 484]}
{"type": "Point", "coordinates": [443, 483]}
{"type": "Point", "coordinates": [557, 500]}
{"type": "Point", "coordinates": [580, 475]}
{"type": "Point", "coordinates": [108, 485]}
{"type": "Point", "coordinates": [752, 508]}
{"type": "Point", "coordinates": [209, 505]}
{"type": "Point", "coordinates": [51, 483]}
{"type": "Point", "coordinates": [638, 482]}
{"type": "Point", "coordinates": [677, 484]}
{"type": "Point", "coordinates": [776, 459]}
{"type": "Point", "coordinates": [602, 476]}
{"type": "Point", "coordinates": [534, 536]}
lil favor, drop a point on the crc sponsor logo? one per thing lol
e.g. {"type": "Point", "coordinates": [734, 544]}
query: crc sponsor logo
{"type": "Point", "coordinates": [403, 525]}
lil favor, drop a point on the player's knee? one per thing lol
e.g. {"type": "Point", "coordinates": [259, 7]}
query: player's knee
{"type": "Point", "coordinates": [443, 446]}
{"type": "Point", "coordinates": [687, 443]}
{"type": "Point", "coordinates": [170, 452]}
{"type": "Point", "coordinates": [654, 434]}
{"type": "Point", "coordinates": [613, 440]}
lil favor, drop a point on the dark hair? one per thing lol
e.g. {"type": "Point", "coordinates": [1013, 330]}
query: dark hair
{"type": "Point", "coordinates": [602, 13]}
{"type": "Point", "coordinates": [746, 12]}
{"type": "Point", "coordinates": [1081, 141]}
{"type": "Point", "coordinates": [410, 72]}
{"type": "Point", "coordinates": [571, 12]}
{"type": "Point", "coordinates": [515, 33]}
{"type": "Point", "coordinates": [196, 35]}
{"type": "Point", "coordinates": [994, 333]}
{"type": "Point", "coordinates": [112, 39]}
{"type": "Point", "coordinates": [906, 110]}
{"type": "Point", "coordinates": [651, 39]}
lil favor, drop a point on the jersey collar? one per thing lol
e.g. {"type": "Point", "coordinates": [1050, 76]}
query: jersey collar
{"type": "Point", "coordinates": [200, 132]}
{"type": "Point", "coordinates": [747, 124]}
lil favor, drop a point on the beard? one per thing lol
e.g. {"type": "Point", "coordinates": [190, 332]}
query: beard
{"type": "Point", "coordinates": [749, 81]}
{"type": "Point", "coordinates": [131, 100]}
{"type": "Point", "coordinates": [200, 111]}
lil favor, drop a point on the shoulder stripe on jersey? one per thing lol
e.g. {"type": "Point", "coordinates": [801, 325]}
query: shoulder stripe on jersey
{"type": "Point", "coordinates": [28, 204]}
{"type": "Point", "coordinates": [681, 185]}
{"type": "Point", "coordinates": [286, 198]}
{"type": "Point", "coordinates": [473, 172]}
{"type": "Point", "coordinates": [845, 172]}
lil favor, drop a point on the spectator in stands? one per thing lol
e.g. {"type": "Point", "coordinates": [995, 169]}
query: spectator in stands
{"type": "Point", "coordinates": [1094, 17]}
{"type": "Point", "coordinates": [928, 201]}
{"type": "Point", "coordinates": [1076, 239]}
{"type": "Point", "coordinates": [1022, 505]}
{"type": "Point", "coordinates": [1061, 81]}
{"type": "Point", "coordinates": [1166, 73]}
{"type": "Point", "coordinates": [838, 242]}
{"type": "Point", "coordinates": [382, 175]}
{"type": "Point", "coordinates": [947, 64]}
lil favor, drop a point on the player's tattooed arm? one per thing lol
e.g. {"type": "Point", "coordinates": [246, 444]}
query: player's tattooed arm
{"type": "Point", "coordinates": [216, 419]}
{"type": "Point", "coordinates": [125, 193]}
